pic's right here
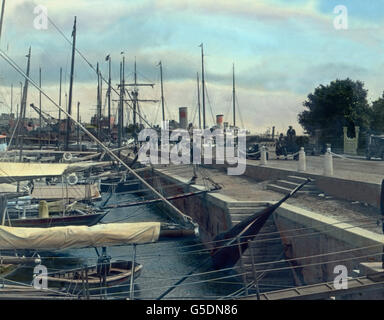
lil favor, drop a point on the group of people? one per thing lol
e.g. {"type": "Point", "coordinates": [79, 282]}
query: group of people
{"type": "Point", "coordinates": [286, 144]}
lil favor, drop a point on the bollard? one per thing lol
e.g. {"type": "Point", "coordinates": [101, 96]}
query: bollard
{"type": "Point", "coordinates": [302, 166]}
{"type": "Point", "coordinates": [263, 156]}
{"type": "Point", "coordinates": [328, 163]}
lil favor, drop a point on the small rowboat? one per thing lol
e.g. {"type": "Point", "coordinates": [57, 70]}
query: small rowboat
{"type": "Point", "coordinates": [117, 273]}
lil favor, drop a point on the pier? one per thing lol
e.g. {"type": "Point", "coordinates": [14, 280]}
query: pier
{"type": "Point", "coordinates": [325, 225]}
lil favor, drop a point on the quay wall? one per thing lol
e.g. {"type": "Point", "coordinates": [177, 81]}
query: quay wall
{"type": "Point", "coordinates": [313, 243]}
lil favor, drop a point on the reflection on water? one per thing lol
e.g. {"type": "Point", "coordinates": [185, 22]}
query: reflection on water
{"type": "Point", "coordinates": [164, 263]}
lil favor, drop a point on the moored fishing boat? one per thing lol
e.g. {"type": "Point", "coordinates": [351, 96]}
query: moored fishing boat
{"type": "Point", "coordinates": [116, 273]}
{"type": "Point", "coordinates": [72, 219]}
{"type": "Point", "coordinates": [53, 214]}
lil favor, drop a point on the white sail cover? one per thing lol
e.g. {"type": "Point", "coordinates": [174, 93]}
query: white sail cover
{"type": "Point", "coordinates": [20, 171]}
{"type": "Point", "coordinates": [58, 238]}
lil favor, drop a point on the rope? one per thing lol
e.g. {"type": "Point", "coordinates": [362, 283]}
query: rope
{"type": "Point", "coordinates": [249, 154]}
{"type": "Point", "coordinates": [254, 241]}
{"type": "Point", "coordinates": [344, 157]}
{"type": "Point", "coordinates": [262, 272]}
{"type": "Point", "coordinates": [246, 273]}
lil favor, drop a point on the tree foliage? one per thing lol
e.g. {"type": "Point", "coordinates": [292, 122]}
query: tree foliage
{"type": "Point", "coordinates": [331, 107]}
{"type": "Point", "coordinates": [377, 116]}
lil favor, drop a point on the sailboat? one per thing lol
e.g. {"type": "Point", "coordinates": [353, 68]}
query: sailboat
{"type": "Point", "coordinates": [44, 219]}
{"type": "Point", "coordinates": [105, 273]}
{"type": "Point", "coordinates": [101, 235]}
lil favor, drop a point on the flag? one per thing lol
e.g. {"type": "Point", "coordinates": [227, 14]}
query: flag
{"type": "Point", "coordinates": [107, 57]}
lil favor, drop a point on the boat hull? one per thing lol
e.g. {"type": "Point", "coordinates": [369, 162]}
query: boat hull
{"type": "Point", "coordinates": [58, 221]}
{"type": "Point", "coordinates": [75, 280]}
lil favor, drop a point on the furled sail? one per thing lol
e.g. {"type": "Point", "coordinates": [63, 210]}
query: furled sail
{"type": "Point", "coordinates": [58, 238]}
{"type": "Point", "coordinates": [20, 171]}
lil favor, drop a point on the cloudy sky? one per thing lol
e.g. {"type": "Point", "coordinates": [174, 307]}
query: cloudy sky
{"type": "Point", "coordinates": [281, 49]}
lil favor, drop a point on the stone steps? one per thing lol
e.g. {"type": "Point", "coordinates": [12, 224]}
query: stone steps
{"type": "Point", "coordinates": [297, 179]}
{"type": "Point", "coordinates": [245, 210]}
{"type": "Point", "coordinates": [288, 184]}
{"type": "Point", "coordinates": [277, 188]}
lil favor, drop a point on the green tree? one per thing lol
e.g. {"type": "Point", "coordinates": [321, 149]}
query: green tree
{"type": "Point", "coordinates": [377, 116]}
{"type": "Point", "coordinates": [331, 107]}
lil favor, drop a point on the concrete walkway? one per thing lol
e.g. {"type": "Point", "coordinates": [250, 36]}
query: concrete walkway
{"type": "Point", "coordinates": [351, 169]}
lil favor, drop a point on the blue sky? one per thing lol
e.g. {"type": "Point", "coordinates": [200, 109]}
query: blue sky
{"type": "Point", "coordinates": [282, 50]}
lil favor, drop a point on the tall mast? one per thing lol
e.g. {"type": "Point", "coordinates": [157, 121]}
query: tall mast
{"type": "Point", "coordinates": [21, 101]}
{"type": "Point", "coordinates": [61, 74]}
{"type": "Point", "coordinates": [123, 98]}
{"type": "Point", "coordinates": [135, 99]}
{"type": "Point", "coordinates": [234, 96]}
{"type": "Point", "coordinates": [101, 102]}
{"type": "Point", "coordinates": [98, 113]}
{"type": "Point", "coordinates": [198, 100]}
{"type": "Point", "coordinates": [119, 131]}
{"type": "Point", "coordinates": [203, 83]}
{"type": "Point", "coordinates": [23, 105]}
{"type": "Point", "coordinates": [78, 128]}
{"type": "Point", "coordinates": [71, 86]}
{"type": "Point", "coordinates": [2, 17]}
{"type": "Point", "coordinates": [135, 72]}
{"type": "Point", "coordinates": [25, 89]}
{"type": "Point", "coordinates": [109, 94]}
{"type": "Point", "coordinates": [40, 144]}
{"type": "Point", "coordinates": [11, 98]}
{"type": "Point", "coordinates": [162, 91]}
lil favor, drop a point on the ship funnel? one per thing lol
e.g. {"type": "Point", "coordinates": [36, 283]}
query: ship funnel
{"type": "Point", "coordinates": [219, 120]}
{"type": "Point", "coordinates": [183, 117]}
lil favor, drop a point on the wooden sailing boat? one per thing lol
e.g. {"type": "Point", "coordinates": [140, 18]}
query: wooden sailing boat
{"type": "Point", "coordinates": [71, 218]}
{"type": "Point", "coordinates": [101, 235]}
{"type": "Point", "coordinates": [105, 274]}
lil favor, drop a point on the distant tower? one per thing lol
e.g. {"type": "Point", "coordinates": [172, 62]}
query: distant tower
{"type": "Point", "coordinates": [183, 117]}
{"type": "Point", "coordinates": [219, 120]}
